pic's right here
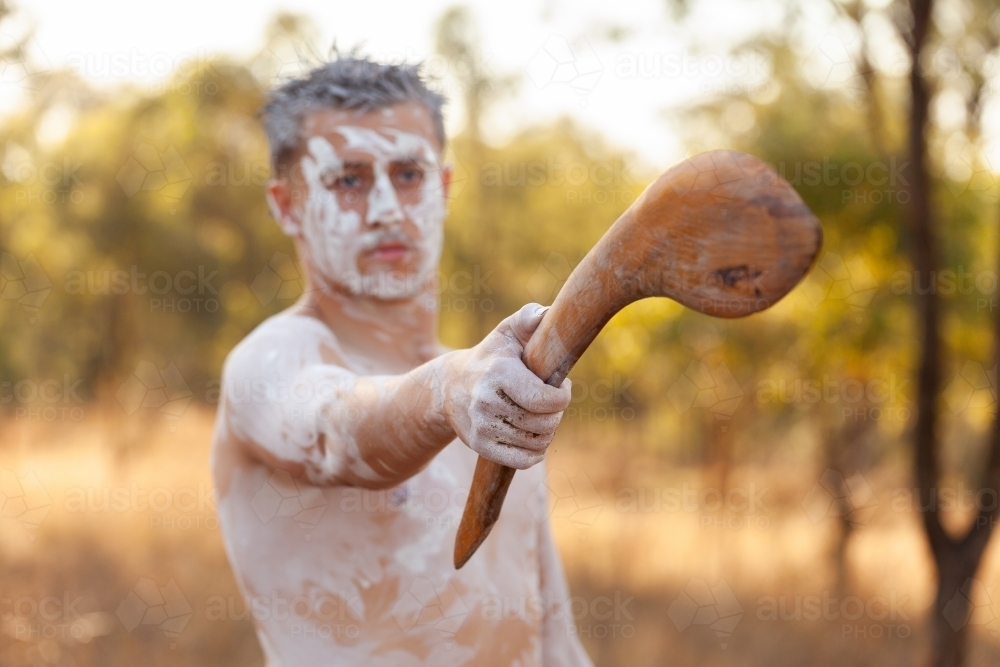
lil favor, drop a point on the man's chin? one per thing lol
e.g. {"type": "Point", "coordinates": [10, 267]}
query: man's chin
{"type": "Point", "coordinates": [387, 285]}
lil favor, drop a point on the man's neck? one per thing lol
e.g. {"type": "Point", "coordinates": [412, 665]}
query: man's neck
{"type": "Point", "coordinates": [402, 330]}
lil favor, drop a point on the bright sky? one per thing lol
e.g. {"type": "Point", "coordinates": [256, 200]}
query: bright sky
{"type": "Point", "coordinates": [561, 49]}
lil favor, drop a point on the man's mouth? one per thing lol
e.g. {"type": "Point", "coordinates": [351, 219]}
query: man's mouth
{"type": "Point", "coordinates": [389, 251]}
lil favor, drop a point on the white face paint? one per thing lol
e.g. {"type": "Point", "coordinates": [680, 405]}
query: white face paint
{"type": "Point", "coordinates": [334, 236]}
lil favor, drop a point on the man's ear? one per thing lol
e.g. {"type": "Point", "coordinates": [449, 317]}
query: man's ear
{"type": "Point", "coordinates": [446, 180]}
{"type": "Point", "coordinates": [279, 198]}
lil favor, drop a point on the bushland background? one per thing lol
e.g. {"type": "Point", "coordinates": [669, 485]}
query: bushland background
{"type": "Point", "coordinates": [812, 485]}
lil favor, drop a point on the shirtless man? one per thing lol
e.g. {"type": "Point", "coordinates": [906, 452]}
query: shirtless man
{"type": "Point", "coordinates": [338, 451]}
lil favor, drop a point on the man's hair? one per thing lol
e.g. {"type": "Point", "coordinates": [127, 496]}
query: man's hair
{"type": "Point", "coordinates": [347, 82]}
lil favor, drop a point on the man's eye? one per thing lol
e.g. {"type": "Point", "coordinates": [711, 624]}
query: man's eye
{"type": "Point", "coordinates": [410, 176]}
{"type": "Point", "coordinates": [348, 181]}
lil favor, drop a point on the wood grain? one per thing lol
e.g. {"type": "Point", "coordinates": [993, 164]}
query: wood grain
{"type": "Point", "coordinates": [721, 233]}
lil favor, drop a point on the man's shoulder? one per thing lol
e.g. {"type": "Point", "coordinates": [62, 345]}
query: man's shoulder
{"type": "Point", "coordinates": [288, 338]}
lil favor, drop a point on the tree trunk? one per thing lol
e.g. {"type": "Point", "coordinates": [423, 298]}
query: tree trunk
{"type": "Point", "coordinates": [958, 559]}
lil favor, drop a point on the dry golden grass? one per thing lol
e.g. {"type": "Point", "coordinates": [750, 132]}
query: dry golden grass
{"type": "Point", "coordinates": [69, 559]}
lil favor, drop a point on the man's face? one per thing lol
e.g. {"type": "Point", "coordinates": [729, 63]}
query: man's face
{"type": "Point", "coordinates": [365, 197]}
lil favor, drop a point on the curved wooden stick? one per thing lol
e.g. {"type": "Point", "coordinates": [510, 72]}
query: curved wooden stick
{"type": "Point", "coordinates": [721, 233]}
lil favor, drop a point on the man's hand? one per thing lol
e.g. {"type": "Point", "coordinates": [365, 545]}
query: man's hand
{"type": "Point", "coordinates": [495, 404]}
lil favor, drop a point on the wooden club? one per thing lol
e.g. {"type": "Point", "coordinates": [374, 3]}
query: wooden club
{"type": "Point", "coordinates": [721, 233]}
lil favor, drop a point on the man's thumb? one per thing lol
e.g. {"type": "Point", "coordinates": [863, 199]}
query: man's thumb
{"type": "Point", "coordinates": [524, 322]}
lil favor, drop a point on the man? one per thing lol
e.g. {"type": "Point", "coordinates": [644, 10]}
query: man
{"type": "Point", "coordinates": [338, 453]}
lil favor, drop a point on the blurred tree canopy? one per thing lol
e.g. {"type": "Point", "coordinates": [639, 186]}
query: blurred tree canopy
{"type": "Point", "coordinates": [134, 228]}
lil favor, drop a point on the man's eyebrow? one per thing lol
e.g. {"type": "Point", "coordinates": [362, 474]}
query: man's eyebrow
{"type": "Point", "coordinates": [411, 158]}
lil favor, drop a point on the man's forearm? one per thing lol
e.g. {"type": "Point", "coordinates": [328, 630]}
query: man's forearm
{"type": "Point", "coordinates": [378, 431]}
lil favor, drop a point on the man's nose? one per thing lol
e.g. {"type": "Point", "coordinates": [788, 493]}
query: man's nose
{"type": "Point", "coordinates": [383, 204]}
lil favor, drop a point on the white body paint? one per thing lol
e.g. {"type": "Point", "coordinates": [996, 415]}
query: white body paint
{"type": "Point", "coordinates": [339, 493]}
{"type": "Point", "coordinates": [328, 228]}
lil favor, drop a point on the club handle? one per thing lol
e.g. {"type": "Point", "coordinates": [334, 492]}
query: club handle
{"type": "Point", "coordinates": [565, 332]}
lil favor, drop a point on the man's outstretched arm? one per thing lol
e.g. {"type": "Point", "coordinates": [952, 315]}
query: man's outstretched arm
{"type": "Point", "coordinates": [302, 410]}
